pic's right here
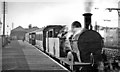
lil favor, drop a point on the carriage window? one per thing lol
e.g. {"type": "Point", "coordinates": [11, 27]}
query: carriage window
{"type": "Point", "coordinates": [33, 36]}
{"type": "Point", "coordinates": [50, 34]}
{"type": "Point", "coordinates": [56, 33]}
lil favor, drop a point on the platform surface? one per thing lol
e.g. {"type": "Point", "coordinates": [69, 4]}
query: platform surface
{"type": "Point", "coordinates": [22, 56]}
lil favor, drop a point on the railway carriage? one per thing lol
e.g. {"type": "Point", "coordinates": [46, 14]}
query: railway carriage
{"type": "Point", "coordinates": [35, 37]}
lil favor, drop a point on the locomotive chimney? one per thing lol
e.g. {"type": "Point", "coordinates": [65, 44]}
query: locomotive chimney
{"type": "Point", "coordinates": [87, 20]}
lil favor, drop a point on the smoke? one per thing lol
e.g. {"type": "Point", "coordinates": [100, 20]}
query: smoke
{"type": "Point", "coordinates": [88, 5]}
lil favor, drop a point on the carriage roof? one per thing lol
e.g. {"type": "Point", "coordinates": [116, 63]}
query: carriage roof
{"type": "Point", "coordinates": [52, 26]}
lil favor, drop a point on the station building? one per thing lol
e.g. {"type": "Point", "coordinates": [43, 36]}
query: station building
{"type": "Point", "coordinates": [19, 32]}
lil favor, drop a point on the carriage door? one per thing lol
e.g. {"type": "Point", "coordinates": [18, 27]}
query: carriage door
{"type": "Point", "coordinates": [50, 41]}
{"type": "Point", "coordinates": [47, 42]}
{"type": "Point", "coordinates": [30, 38]}
{"type": "Point", "coordinates": [33, 38]}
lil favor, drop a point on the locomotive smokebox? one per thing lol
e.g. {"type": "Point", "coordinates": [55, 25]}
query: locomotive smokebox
{"type": "Point", "coordinates": [87, 20]}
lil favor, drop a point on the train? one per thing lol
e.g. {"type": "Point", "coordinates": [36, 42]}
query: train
{"type": "Point", "coordinates": [89, 43]}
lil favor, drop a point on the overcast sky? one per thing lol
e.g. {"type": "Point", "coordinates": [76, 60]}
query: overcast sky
{"type": "Point", "coordinates": [45, 12]}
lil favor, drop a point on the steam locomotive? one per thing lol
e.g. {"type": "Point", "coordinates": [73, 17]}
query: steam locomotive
{"type": "Point", "coordinates": [89, 43]}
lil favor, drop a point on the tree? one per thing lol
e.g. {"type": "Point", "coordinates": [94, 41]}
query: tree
{"type": "Point", "coordinates": [30, 26]}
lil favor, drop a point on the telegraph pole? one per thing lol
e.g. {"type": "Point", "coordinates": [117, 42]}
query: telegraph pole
{"type": "Point", "coordinates": [3, 18]}
{"type": "Point", "coordinates": [3, 38]}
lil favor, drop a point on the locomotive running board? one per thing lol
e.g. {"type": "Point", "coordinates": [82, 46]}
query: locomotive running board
{"type": "Point", "coordinates": [81, 64]}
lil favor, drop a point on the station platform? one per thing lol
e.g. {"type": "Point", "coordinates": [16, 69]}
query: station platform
{"type": "Point", "coordinates": [19, 56]}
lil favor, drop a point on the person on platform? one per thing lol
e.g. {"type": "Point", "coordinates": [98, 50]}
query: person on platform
{"type": "Point", "coordinates": [71, 40]}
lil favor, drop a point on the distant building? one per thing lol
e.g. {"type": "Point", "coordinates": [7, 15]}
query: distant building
{"type": "Point", "coordinates": [19, 32]}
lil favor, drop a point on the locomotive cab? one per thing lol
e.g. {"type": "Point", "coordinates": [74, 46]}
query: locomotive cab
{"type": "Point", "coordinates": [51, 41]}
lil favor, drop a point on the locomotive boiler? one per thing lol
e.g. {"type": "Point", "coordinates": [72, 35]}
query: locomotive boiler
{"type": "Point", "coordinates": [88, 41]}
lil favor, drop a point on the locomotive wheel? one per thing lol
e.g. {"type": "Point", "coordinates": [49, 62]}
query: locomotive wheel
{"type": "Point", "coordinates": [70, 59]}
